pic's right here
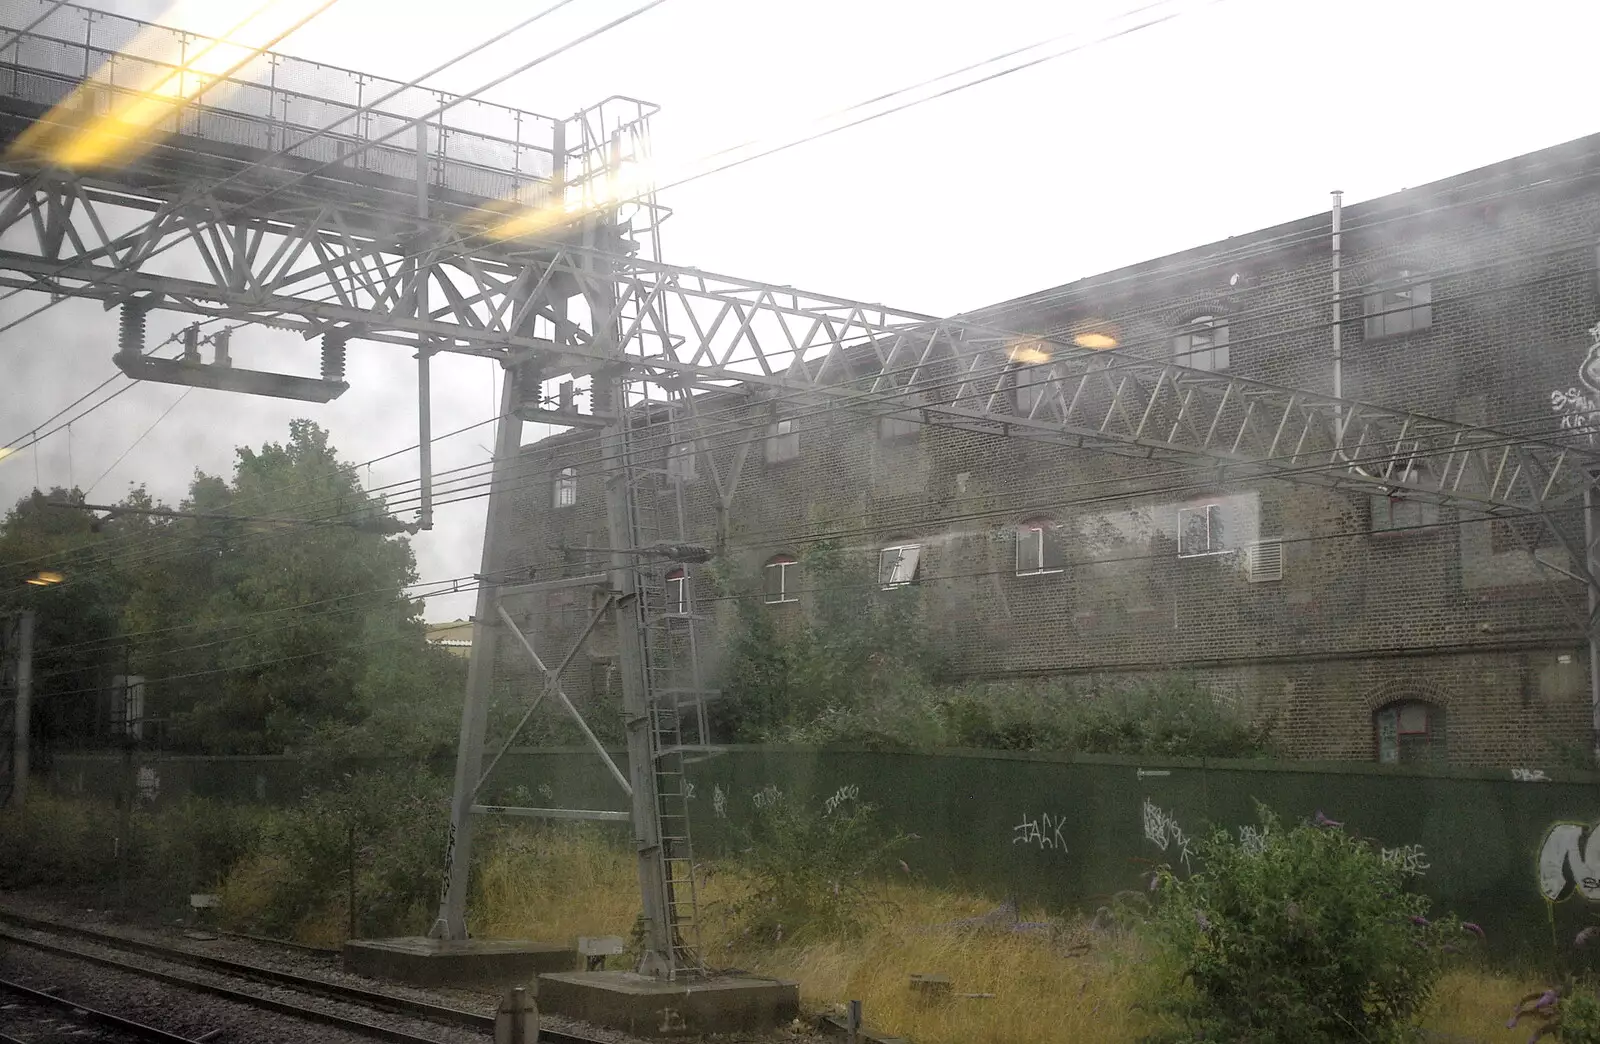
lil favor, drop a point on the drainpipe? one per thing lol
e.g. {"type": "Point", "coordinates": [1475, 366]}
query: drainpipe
{"type": "Point", "coordinates": [1338, 316]}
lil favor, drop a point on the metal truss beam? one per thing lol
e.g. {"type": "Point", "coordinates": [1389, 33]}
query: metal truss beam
{"type": "Point", "coordinates": [313, 270]}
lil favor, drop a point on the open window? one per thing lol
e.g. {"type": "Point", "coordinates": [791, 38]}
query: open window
{"type": "Point", "coordinates": [1039, 547]}
{"type": "Point", "coordinates": [783, 441]}
{"type": "Point", "coordinates": [1400, 304]}
{"type": "Point", "coordinates": [897, 566]}
{"type": "Point", "coordinates": [1201, 531]}
{"type": "Point", "coordinates": [677, 592]}
{"type": "Point", "coordinates": [1410, 732]}
{"type": "Point", "coordinates": [779, 576]}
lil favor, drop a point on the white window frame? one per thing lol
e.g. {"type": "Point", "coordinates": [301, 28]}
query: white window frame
{"type": "Point", "coordinates": [782, 563]}
{"type": "Point", "coordinates": [1215, 532]}
{"type": "Point", "coordinates": [1397, 306]}
{"type": "Point", "coordinates": [783, 441]}
{"type": "Point", "coordinates": [1034, 530]}
{"type": "Point", "coordinates": [681, 461]}
{"type": "Point", "coordinates": [902, 569]}
{"type": "Point", "coordinates": [566, 493]}
{"type": "Point", "coordinates": [677, 600]}
{"type": "Point", "coordinates": [1202, 344]}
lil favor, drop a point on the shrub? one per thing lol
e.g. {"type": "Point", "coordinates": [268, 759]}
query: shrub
{"type": "Point", "coordinates": [812, 871]}
{"type": "Point", "coordinates": [1308, 937]}
{"type": "Point", "coordinates": [57, 841]}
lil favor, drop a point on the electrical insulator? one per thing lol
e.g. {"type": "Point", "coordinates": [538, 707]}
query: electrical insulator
{"type": "Point", "coordinates": [333, 343]}
{"type": "Point", "coordinates": [130, 328]}
{"type": "Point", "coordinates": [191, 343]}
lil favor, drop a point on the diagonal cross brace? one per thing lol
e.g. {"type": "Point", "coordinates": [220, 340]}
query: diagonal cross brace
{"type": "Point", "coordinates": [553, 686]}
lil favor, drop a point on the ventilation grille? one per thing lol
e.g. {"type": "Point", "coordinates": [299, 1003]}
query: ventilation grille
{"type": "Point", "coordinates": [1264, 562]}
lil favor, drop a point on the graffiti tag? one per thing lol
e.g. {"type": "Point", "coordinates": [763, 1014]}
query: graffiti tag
{"type": "Point", "coordinates": [149, 784]}
{"type": "Point", "coordinates": [1253, 839]}
{"type": "Point", "coordinates": [1043, 831]}
{"type": "Point", "coordinates": [840, 796]}
{"type": "Point", "coordinates": [1579, 411]}
{"type": "Point", "coordinates": [1569, 860]}
{"type": "Point", "coordinates": [1525, 775]}
{"type": "Point", "coordinates": [767, 796]}
{"type": "Point", "coordinates": [688, 790]}
{"type": "Point", "coordinates": [1411, 859]}
{"type": "Point", "coordinates": [719, 801]}
{"type": "Point", "coordinates": [1161, 830]}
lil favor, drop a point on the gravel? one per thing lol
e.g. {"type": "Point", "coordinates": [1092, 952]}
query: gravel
{"type": "Point", "coordinates": [295, 960]}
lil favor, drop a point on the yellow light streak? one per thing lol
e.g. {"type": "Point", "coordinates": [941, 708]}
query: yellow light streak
{"type": "Point", "coordinates": [1097, 341]}
{"type": "Point", "coordinates": [128, 106]}
{"type": "Point", "coordinates": [45, 578]}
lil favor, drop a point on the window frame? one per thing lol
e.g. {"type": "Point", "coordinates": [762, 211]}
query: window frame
{"type": "Point", "coordinates": [782, 563]}
{"type": "Point", "coordinates": [1028, 394]}
{"type": "Point", "coordinates": [566, 488]}
{"type": "Point", "coordinates": [893, 428]}
{"type": "Point", "coordinates": [677, 604]}
{"type": "Point", "coordinates": [681, 461]}
{"type": "Point", "coordinates": [783, 441]}
{"type": "Point", "coordinates": [1045, 531]}
{"type": "Point", "coordinates": [1216, 529]}
{"type": "Point", "coordinates": [1435, 724]}
{"type": "Point", "coordinates": [1383, 319]}
{"type": "Point", "coordinates": [1214, 356]}
{"type": "Point", "coordinates": [899, 550]}
{"type": "Point", "coordinates": [1427, 516]}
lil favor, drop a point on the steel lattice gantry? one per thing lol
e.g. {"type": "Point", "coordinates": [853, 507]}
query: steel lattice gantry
{"type": "Point", "coordinates": [250, 211]}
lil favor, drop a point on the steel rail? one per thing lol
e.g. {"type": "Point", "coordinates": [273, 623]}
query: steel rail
{"type": "Point", "coordinates": [437, 1013]}
{"type": "Point", "coordinates": [94, 1015]}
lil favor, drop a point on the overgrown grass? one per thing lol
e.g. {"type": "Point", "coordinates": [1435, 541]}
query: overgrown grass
{"type": "Point", "coordinates": [557, 882]}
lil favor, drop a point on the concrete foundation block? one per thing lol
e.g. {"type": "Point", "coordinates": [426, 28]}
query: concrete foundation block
{"type": "Point", "coordinates": [473, 962]}
{"type": "Point", "coordinates": [648, 1007]}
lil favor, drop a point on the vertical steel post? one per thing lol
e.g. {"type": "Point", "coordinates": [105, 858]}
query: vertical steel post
{"type": "Point", "coordinates": [1591, 534]}
{"type": "Point", "coordinates": [23, 707]}
{"type": "Point", "coordinates": [424, 352]}
{"type": "Point", "coordinates": [452, 920]}
{"type": "Point", "coordinates": [1338, 313]}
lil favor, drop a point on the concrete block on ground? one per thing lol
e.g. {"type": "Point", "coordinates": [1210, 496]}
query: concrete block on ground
{"type": "Point", "coordinates": [649, 1007]}
{"type": "Point", "coordinates": [473, 962]}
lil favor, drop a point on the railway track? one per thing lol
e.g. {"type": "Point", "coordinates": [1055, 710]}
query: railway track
{"type": "Point", "coordinates": [124, 1029]}
{"type": "Point", "coordinates": [228, 979]}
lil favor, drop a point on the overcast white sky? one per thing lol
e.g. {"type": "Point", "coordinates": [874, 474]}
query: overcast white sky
{"type": "Point", "coordinates": [1239, 115]}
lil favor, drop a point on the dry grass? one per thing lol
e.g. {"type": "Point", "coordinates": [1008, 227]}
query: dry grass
{"type": "Point", "coordinates": [560, 884]}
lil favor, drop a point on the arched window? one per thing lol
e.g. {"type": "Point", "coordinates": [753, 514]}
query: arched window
{"type": "Point", "coordinates": [678, 592]}
{"type": "Point", "coordinates": [1202, 344]}
{"type": "Point", "coordinates": [1410, 732]}
{"type": "Point", "coordinates": [1398, 305]}
{"type": "Point", "coordinates": [1039, 548]}
{"type": "Point", "coordinates": [566, 487]}
{"type": "Point", "coordinates": [779, 576]}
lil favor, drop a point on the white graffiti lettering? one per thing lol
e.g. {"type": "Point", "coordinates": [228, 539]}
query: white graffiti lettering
{"type": "Point", "coordinates": [1044, 831]}
{"type": "Point", "coordinates": [1411, 859]}
{"type": "Point", "coordinates": [1525, 775]}
{"type": "Point", "coordinates": [688, 790]}
{"type": "Point", "coordinates": [840, 796]}
{"type": "Point", "coordinates": [1578, 409]}
{"type": "Point", "coordinates": [719, 801]}
{"type": "Point", "coordinates": [1161, 830]}
{"type": "Point", "coordinates": [1253, 839]}
{"type": "Point", "coordinates": [1570, 861]}
{"type": "Point", "coordinates": [546, 792]}
{"type": "Point", "coordinates": [767, 796]}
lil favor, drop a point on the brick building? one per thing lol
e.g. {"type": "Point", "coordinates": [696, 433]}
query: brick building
{"type": "Point", "coordinates": [1360, 627]}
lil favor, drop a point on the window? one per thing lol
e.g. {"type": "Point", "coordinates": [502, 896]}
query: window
{"type": "Point", "coordinates": [1033, 384]}
{"type": "Point", "coordinates": [1398, 306]}
{"type": "Point", "coordinates": [783, 442]}
{"type": "Point", "coordinates": [1398, 514]}
{"type": "Point", "coordinates": [1200, 531]}
{"type": "Point", "coordinates": [566, 487]}
{"type": "Point", "coordinates": [897, 427]}
{"type": "Point", "coordinates": [1410, 733]}
{"type": "Point", "coordinates": [780, 574]}
{"type": "Point", "coordinates": [1202, 344]}
{"type": "Point", "coordinates": [680, 461]}
{"type": "Point", "coordinates": [897, 566]}
{"type": "Point", "coordinates": [1038, 547]}
{"type": "Point", "coordinates": [678, 592]}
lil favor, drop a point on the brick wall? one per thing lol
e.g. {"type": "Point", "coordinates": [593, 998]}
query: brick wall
{"type": "Point", "coordinates": [1456, 613]}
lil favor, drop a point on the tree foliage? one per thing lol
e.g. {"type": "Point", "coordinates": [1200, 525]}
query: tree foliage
{"type": "Point", "coordinates": [263, 620]}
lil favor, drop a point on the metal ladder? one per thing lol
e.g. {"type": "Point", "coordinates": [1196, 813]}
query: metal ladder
{"type": "Point", "coordinates": [671, 672]}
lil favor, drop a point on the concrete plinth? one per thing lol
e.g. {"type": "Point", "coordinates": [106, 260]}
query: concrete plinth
{"type": "Point", "coordinates": [648, 1007]}
{"type": "Point", "coordinates": [473, 962]}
